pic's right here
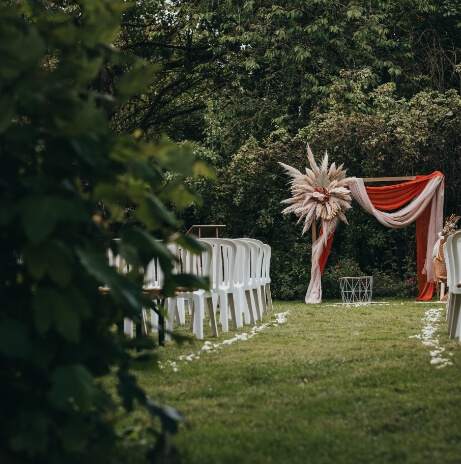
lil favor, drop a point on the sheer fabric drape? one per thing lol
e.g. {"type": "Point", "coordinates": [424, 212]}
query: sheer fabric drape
{"type": "Point", "coordinates": [419, 200]}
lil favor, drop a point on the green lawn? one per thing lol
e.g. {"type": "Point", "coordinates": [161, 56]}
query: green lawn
{"type": "Point", "coordinates": [332, 384]}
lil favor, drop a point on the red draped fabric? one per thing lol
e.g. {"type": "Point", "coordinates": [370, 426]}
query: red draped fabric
{"type": "Point", "coordinates": [392, 197]}
{"type": "Point", "coordinates": [325, 253]}
{"type": "Point", "coordinates": [425, 288]}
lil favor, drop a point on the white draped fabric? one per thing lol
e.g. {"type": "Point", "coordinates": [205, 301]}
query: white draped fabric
{"type": "Point", "coordinates": [314, 291]}
{"type": "Point", "coordinates": [432, 195]}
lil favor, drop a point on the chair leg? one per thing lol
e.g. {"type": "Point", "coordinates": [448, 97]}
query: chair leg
{"type": "Point", "coordinates": [180, 313]}
{"type": "Point", "coordinates": [144, 322]}
{"type": "Point", "coordinates": [456, 299]}
{"type": "Point", "coordinates": [128, 327]}
{"type": "Point", "coordinates": [262, 300]}
{"type": "Point", "coordinates": [256, 302]}
{"type": "Point", "coordinates": [235, 319]}
{"type": "Point", "coordinates": [171, 309]}
{"type": "Point", "coordinates": [209, 306]}
{"type": "Point", "coordinates": [442, 290]}
{"type": "Point", "coordinates": [198, 310]}
{"type": "Point", "coordinates": [251, 312]}
{"type": "Point", "coordinates": [269, 297]}
{"type": "Point", "coordinates": [153, 321]}
{"type": "Point", "coordinates": [224, 312]}
{"type": "Point", "coordinates": [192, 313]}
{"type": "Point", "coordinates": [448, 313]}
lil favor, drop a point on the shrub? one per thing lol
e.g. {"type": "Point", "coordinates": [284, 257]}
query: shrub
{"type": "Point", "coordinates": [64, 181]}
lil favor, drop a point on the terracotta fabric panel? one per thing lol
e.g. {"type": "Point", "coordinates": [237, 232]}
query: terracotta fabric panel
{"type": "Point", "coordinates": [325, 253]}
{"type": "Point", "coordinates": [390, 197]}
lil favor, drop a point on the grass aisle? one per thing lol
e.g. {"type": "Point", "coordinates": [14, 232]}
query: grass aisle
{"type": "Point", "coordinates": [331, 384]}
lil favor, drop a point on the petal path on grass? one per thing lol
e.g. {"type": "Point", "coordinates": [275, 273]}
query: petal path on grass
{"type": "Point", "coordinates": [429, 338]}
{"type": "Point", "coordinates": [208, 347]}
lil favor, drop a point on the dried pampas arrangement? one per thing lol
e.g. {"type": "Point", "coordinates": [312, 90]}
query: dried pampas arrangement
{"type": "Point", "coordinates": [320, 194]}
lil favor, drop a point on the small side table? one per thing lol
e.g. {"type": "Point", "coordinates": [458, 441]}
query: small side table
{"type": "Point", "coordinates": [356, 289]}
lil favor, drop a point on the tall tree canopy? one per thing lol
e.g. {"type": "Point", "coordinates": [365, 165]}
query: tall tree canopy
{"type": "Point", "coordinates": [375, 83]}
{"type": "Point", "coordinates": [257, 65]}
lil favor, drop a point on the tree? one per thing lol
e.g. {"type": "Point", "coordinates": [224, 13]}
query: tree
{"type": "Point", "coordinates": [65, 179]}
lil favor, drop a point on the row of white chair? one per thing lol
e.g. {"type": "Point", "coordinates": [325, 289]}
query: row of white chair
{"type": "Point", "coordinates": [452, 254]}
{"type": "Point", "coordinates": [239, 274]}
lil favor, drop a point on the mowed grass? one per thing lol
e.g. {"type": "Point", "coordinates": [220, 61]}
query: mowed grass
{"type": "Point", "coordinates": [332, 384]}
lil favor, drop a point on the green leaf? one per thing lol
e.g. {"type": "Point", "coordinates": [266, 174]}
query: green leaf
{"type": "Point", "coordinates": [30, 432]}
{"type": "Point", "coordinates": [40, 214]}
{"type": "Point", "coordinates": [43, 315]}
{"type": "Point", "coordinates": [202, 169]}
{"type": "Point", "coordinates": [88, 148]}
{"type": "Point", "coordinates": [50, 257]}
{"type": "Point", "coordinates": [123, 290]}
{"type": "Point", "coordinates": [129, 390]}
{"type": "Point", "coordinates": [175, 158]}
{"type": "Point", "coordinates": [137, 80]}
{"type": "Point", "coordinates": [8, 106]}
{"type": "Point", "coordinates": [72, 386]}
{"type": "Point", "coordinates": [14, 341]}
{"type": "Point", "coordinates": [38, 217]}
{"type": "Point", "coordinates": [7, 211]}
{"type": "Point", "coordinates": [67, 322]}
{"type": "Point", "coordinates": [192, 281]}
{"type": "Point", "coordinates": [169, 417]}
{"type": "Point", "coordinates": [153, 213]}
{"type": "Point", "coordinates": [52, 308]}
{"type": "Point", "coordinates": [179, 194]}
{"type": "Point", "coordinates": [189, 242]}
{"type": "Point", "coordinates": [14, 37]}
{"type": "Point", "coordinates": [74, 435]}
{"type": "Point", "coordinates": [139, 247]}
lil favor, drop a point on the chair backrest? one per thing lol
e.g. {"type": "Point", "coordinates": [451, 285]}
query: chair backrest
{"type": "Point", "coordinates": [224, 253]}
{"type": "Point", "coordinates": [242, 262]}
{"type": "Point", "coordinates": [449, 260]}
{"type": "Point", "coordinates": [267, 263]}
{"type": "Point", "coordinates": [456, 261]}
{"type": "Point", "coordinates": [117, 261]}
{"type": "Point", "coordinates": [256, 260]}
{"type": "Point", "coordinates": [197, 264]}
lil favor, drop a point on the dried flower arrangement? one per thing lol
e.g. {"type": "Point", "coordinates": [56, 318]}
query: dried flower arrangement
{"type": "Point", "coordinates": [450, 225]}
{"type": "Point", "coordinates": [321, 193]}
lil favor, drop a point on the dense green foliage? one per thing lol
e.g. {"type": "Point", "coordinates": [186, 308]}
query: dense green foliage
{"type": "Point", "coordinates": [376, 84]}
{"type": "Point", "coordinates": [65, 183]}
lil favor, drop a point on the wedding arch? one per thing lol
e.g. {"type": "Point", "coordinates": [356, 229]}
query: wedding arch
{"type": "Point", "coordinates": [316, 194]}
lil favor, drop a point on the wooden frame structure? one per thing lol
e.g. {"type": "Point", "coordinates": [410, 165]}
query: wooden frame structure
{"type": "Point", "coordinates": [206, 230]}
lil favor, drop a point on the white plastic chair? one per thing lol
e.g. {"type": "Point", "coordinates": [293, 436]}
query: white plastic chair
{"type": "Point", "coordinates": [452, 254]}
{"type": "Point", "coordinates": [256, 280]}
{"type": "Point", "coordinates": [247, 302]}
{"type": "Point", "coordinates": [199, 264]}
{"type": "Point", "coordinates": [223, 280]}
{"type": "Point", "coordinates": [267, 275]}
